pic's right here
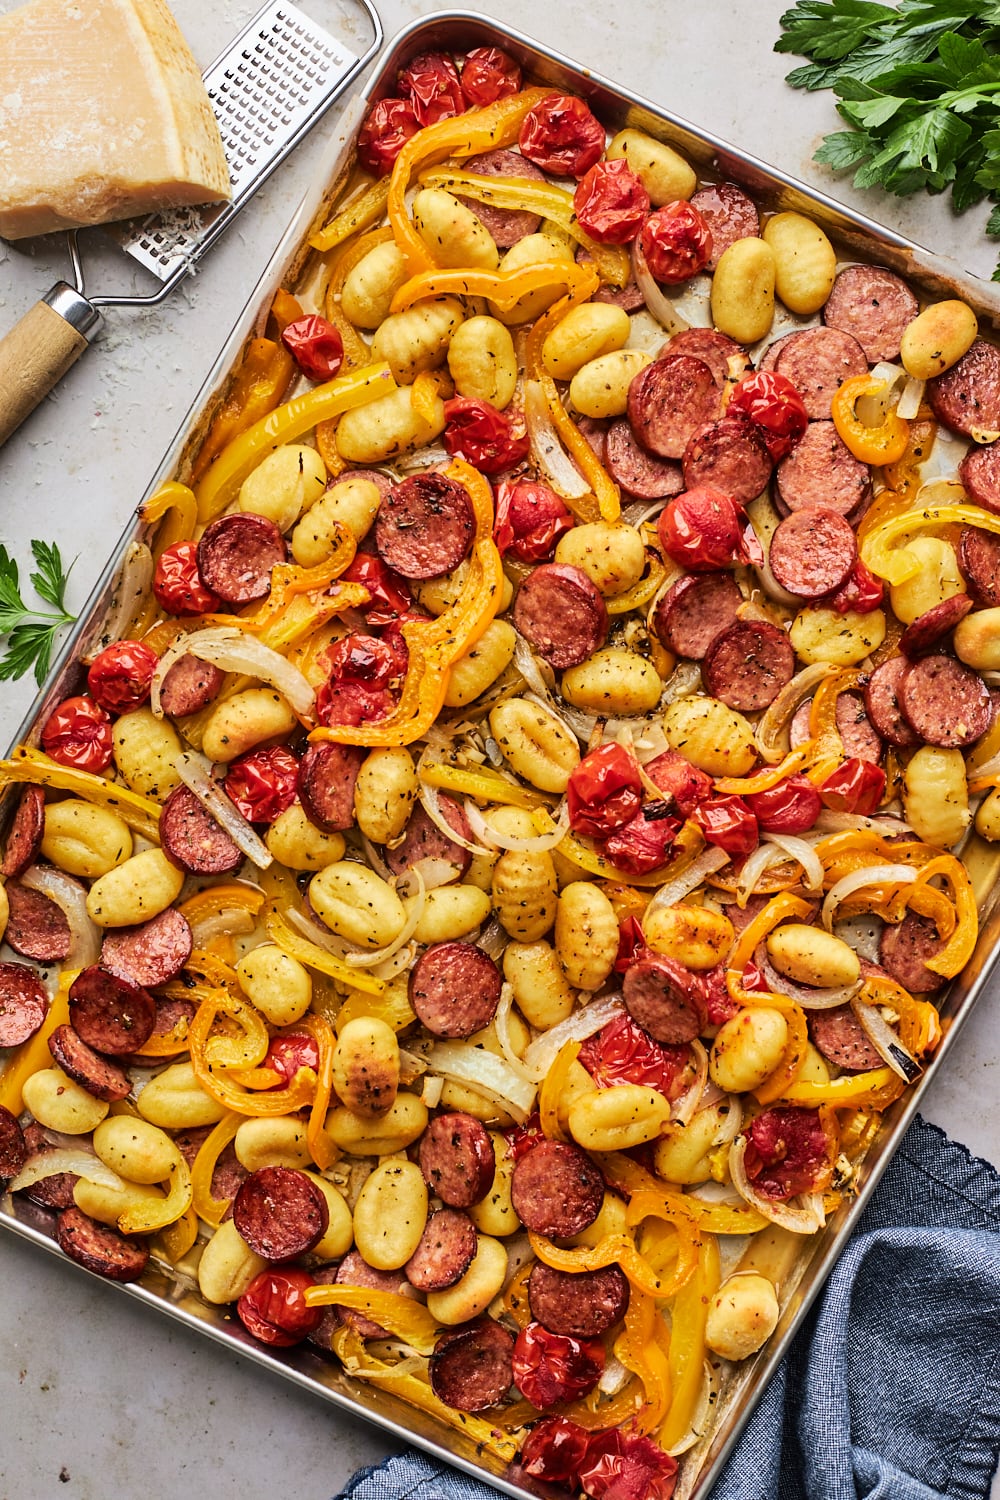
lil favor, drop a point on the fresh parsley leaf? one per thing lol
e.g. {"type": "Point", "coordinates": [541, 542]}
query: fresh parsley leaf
{"type": "Point", "coordinates": [50, 581]}
{"type": "Point", "coordinates": [828, 32]}
{"type": "Point", "coordinates": [31, 633]}
{"type": "Point", "coordinates": [843, 149]}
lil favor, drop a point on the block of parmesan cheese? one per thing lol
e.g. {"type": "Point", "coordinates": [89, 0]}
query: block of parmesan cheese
{"type": "Point", "coordinates": [103, 115]}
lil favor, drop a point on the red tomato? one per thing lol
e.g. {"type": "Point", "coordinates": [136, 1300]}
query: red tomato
{"type": "Point", "coordinates": [856, 786]}
{"type": "Point", "coordinates": [365, 674]}
{"type": "Point", "coordinates": [642, 845]}
{"type": "Point", "coordinates": [676, 242]}
{"type": "Point", "coordinates": [524, 1138]}
{"type": "Point", "coordinates": [315, 345]}
{"type": "Point", "coordinates": [274, 1308]}
{"type": "Point", "coordinates": [727, 823]}
{"type": "Point", "coordinates": [530, 519]}
{"type": "Point", "coordinates": [562, 136]}
{"type": "Point", "coordinates": [626, 1466]}
{"type": "Point", "coordinates": [862, 592]}
{"type": "Point", "coordinates": [489, 74]}
{"type": "Point", "coordinates": [790, 807]}
{"type": "Point", "coordinates": [288, 1052]}
{"type": "Point", "coordinates": [177, 583]}
{"type": "Point", "coordinates": [554, 1450]}
{"type": "Point", "coordinates": [788, 1152]}
{"type": "Point", "coordinates": [262, 784]}
{"type": "Point", "coordinates": [390, 592]}
{"type": "Point", "coordinates": [552, 1367]}
{"type": "Point", "coordinates": [78, 733]}
{"type": "Point", "coordinates": [385, 132]}
{"type": "Point", "coordinates": [621, 1052]}
{"type": "Point", "coordinates": [604, 792]}
{"type": "Point", "coordinates": [719, 1005]}
{"type": "Point", "coordinates": [630, 940]}
{"type": "Point", "coordinates": [775, 408]}
{"type": "Point", "coordinates": [432, 87]}
{"type": "Point", "coordinates": [703, 530]}
{"type": "Point", "coordinates": [120, 675]}
{"type": "Point", "coordinates": [679, 779]}
{"type": "Point", "coordinates": [611, 203]}
{"type": "Point", "coordinates": [486, 438]}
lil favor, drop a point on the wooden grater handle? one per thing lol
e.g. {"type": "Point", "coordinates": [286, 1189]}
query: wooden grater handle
{"type": "Point", "coordinates": [38, 351]}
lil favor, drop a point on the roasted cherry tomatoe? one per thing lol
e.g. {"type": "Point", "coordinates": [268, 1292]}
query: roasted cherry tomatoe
{"type": "Point", "coordinates": [177, 582]}
{"type": "Point", "coordinates": [562, 136]}
{"type": "Point", "coordinates": [703, 530]}
{"type": "Point", "coordinates": [262, 784]}
{"type": "Point", "coordinates": [857, 787]}
{"type": "Point", "coordinates": [676, 242]}
{"type": "Point", "coordinates": [78, 733]}
{"type": "Point", "coordinates": [530, 519]}
{"type": "Point", "coordinates": [553, 1367]}
{"type": "Point", "coordinates": [315, 345]}
{"type": "Point", "coordinates": [274, 1309]}
{"type": "Point", "coordinates": [489, 74]}
{"type": "Point", "coordinates": [120, 675]}
{"type": "Point", "coordinates": [611, 203]}
{"type": "Point", "coordinates": [790, 807]}
{"type": "Point", "coordinates": [485, 437]}
{"type": "Point", "coordinates": [774, 406]}
{"type": "Point", "coordinates": [604, 792]}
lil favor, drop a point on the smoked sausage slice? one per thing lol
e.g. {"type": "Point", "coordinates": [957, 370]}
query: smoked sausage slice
{"type": "Point", "coordinates": [150, 954]}
{"type": "Point", "coordinates": [904, 949]}
{"type": "Point", "coordinates": [812, 552]}
{"type": "Point", "coordinates": [110, 1014]}
{"type": "Point", "coordinates": [748, 664]}
{"type": "Point", "coordinates": [979, 472]}
{"type": "Point", "coordinates": [694, 610]}
{"type": "Point", "coordinates": [327, 775]}
{"type": "Point", "coordinates": [927, 629]}
{"type": "Point", "coordinates": [25, 837]}
{"type": "Point", "coordinates": [100, 1249]}
{"type": "Point", "coordinates": [457, 1159]}
{"type": "Point", "coordinates": [24, 1004]}
{"type": "Point", "coordinates": [966, 398]}
{"type": "Point", "coordinates": [455, 988]}
{"type": "Point", "coordinates": [424, 526]}
{"type": "Point", "coordinates": [446, 1250]}
{"type": "Point", "coordinates": [665, 999]}
{"type": "Point", "coordinates": [874, 306]}
{"type": "Point", "coordinates": [13, 1148]}
{"type": "Point", "coordinates": [423, 839]}
{"type": "Point", "coordinates": [945, 703]}
{"type": "Point", "coordinates": [841, 1038]}
{"type": "Point", "coordinates": [354, 1270]}
{"type": "Point", "coordinates": [505, 225]}
{"type": "Point", "coordinates": [104, 1079]}
{"type": "Point", "coordinates": [189, 686]}
{"type": "Point", "coordinates": [580, 1304]}
{"type": "Point", "coordinates": [669, 400]}
{"type": "Point", "coordinates": [236, 554]}
{"type": "Point", "coordinates": [821, 472]}
{"type": "Point", "coordinates": [561, 613]}
{"type": "Point", "coordinates": [471, 1368]}
{"type": "Point", "coordinates": [36, 927]}
{"type": "Point", "coordinates": [280, 1213]}
{"type": "Point", "coordinates": [883, 706]}
{"type": "Point", "coordinates": [556, 1189]}
{"type": "Point", "coordinates": [817, 361]}
{"type": "Point", "coordinates": [729, 214]}
{"type": "Point", "coordinates": [979, 562]}
{"type": "Point", "coordinates": [192, 839]}
{"type": "Point", "coordinates": [729, 454]}
{"type": "Point", "coordinates": [639, 472]}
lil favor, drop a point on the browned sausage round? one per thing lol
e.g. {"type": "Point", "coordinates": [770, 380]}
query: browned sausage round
{"type": "Point", "coordinates": [110, 1014]}
{"type": "Point", "coordinates": [669, 400]}
{"type": "Point", "coordinates": [505, 225]}
{"type": "Point", "coordinates": [457, 1159]}
{"type": "Point", "coordinates": [100, 1249]}
{"type": "Point", "coordinates": [639, 472]}
{"type": "Point", "coordinates": [822, 472]}
{"type": "Point", "coordinates": [104, 1079]}
{"type": "Point", "coordinates": [927, 629]}
{"type": "Point", "coordinates": [446, 1250]}
{"type": "Point", "coordinates": [769, 359]}
{"type": "Point", "coordinates": [236, 554]}
{"type": "Point", "coordinates": [25, 837]}
{"type": "Point", "coordinates": [24, 1004]}
{"type": "Point", "coordinates": [556, 1189]}
{"type": "Point", "coordinates": [189, 686]}
{"type": "Point", "coordinates": [979, 472]}
{"type": "Point", "coordinates": [817, 362]}
{"type": "Point", "coordinates": [423, 839]}
{"type": "Point", "coordinates": [13, 1148]}
{"type": "Point", "coordinates": [729, 214]}
{"type": "Point", "coordinates": [946, 703]}
{"type": "Point", "coordinates": [280, 1213]}
{"type": "Point", "coordinates": [715, 348]}
{"type": "Point", "coordinates": [424, 526]}
{"type": "Point", "coordinates": [882, 703]}
{"type": "Point", "coordinates": [812, 552]}
{"type": "Point", "coordinates": [327, 774]}
{"type": "Point", "coordinates": [841, 1038]}
{"type": "Point", "coordinates": [355, 1271]}
{"type": "Point", "coordinates": [966, 398]}
{"type": "Point", "coordinates": [561, 613]}
{"type": "Point", "coordinates": [748, 664]}
{"type": "Point", "coordinates": [471, 1367]}
{"type": "Point", "coordinates": [728, 454]}
{"type": "Point", "coordinates": [860, 738]}
{"type": "Point", "coordinates": [36, 927]}
{"type": "Point", "coordinates": [455, 988]}
{"type": "Point", "coordinates": [665, 999]}
{"type": "Point", "coordinates": [55, 1191]}
{"type": "Point", "coordinates": [578, 1304]}
{"type": "Point", "coordinates": [979, 561]}
{"type": "Point", "coordinates": [192, 839]}
{"type": "Point", "coordinates": [694, 610]}
{"type": "Point", "coordinates": [874, 306]}
{"type": "Point", "coordinates": [152, 953]}
{"type": "Point", "coordinates": [904, 950]}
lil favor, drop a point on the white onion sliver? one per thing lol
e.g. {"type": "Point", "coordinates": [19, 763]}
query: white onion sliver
{"type": "Point", "coordinates": [234, 650]}
{"type": "Point", "coordinates": [528, 665]}
{"type": "Point", "coordinates": [804, 995]}
{"type": "Point", "coordinates": [803, 854]}
{"type": "Point", "coordinates": [129, 593]}
{"type": "Point", "coordinates": [585, 1022]}
{"type": "Point", "coordinates": [843, 822]}
{"type": "Point", "coordinates": [430, 801]}
{"type": "Point", "coordinates": [550, 455]}
{"type": "Point", "coordinates": [684, 1109]}
{"type": "Point", "coordinates": [909, 401]}
{"type": "Point", "coordinates": [64, 1159]}
{"type": "Point", "coordinates": [434, 872]}
{"type": "Point", "coordinates": [857, 880]}
{"type": "Point", "coordinates": [805, 1220]}
{"type": "Point", "coordinates": [71, 899]}
{"type": "Point", "coordinates": [490, 1075]}
{"type": "Point", "coordinates": [684, 680]}
{"type": "Point", "coordinates": [228, 920]}
{"type": "Point", "coordinates": [501, 1023]}
{"type": "Point", "coordinates": [657, 303]}
{"type": "Point", "coordinates": [538, 843]}
{"type": "Point", "coordinates": [885, 1041]}
{"type": "Point", "coordinates": [706, 863]}
{"type": "Point", "coordinates": [778, 715]}
{"type": "Point", "coordinates": [379, 955]}
{"type": "Point", "coordinates": [195, 770]}
{"type": "Point", "coordinates": [763, 857]}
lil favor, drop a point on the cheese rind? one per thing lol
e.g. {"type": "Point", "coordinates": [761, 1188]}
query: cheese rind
{"type": "Point", "coordinates": [103, 115]}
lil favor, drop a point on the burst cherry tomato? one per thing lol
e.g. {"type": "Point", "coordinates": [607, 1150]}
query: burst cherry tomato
{"type": "Point", "coordinates": [644, 844]}
{"type": "Point", "coordinates": [611, 203]}
{"type": "Point", "coordinates": [315, 345]}
{"type": "Point", "coordinates": [857, 787]}
{"type": "Point", "coordinates": [604, 792]}
{"type": "Point", "coordinates": [626, 1466]}
{"type": "Point", "coordinates": [389, 126]}
{"type": "Point", "coordinates": [262, 784]}
{"type": "Point", "coordinates": [862, 592]}
{"type": "Point", "coordinates": [703, 530]}
{"type": "Point", "coordinates": [530, 519]}
{"type": "Point", "coordinates": [78, 733]}
{"type": "Point", "coordinates": [630, 941]}
{"type": "Point", "coordinates": [288, 1052]}
{"type": "Point", "coordinates": [554, 1450]}
{"type": "Point", "coordinates": [679, 779]}
{"type": "Point", "coordinates": [552, 1367]}
{"type": "Point", "coordinates": [790, 807]}
{"type": "Point", "coordinates": [365, 674]}
{"type": "Point", "coordinates": [431, 85]}
{"type": "Point", "coordinates": [177, 583]}
{"type": "Point", "coordinates": [775, 408]}
{"type": "Point", "coordinates": [676, 242]}
{"type": "Point", "coordinates": [274, 1307]}
{"type": "Point", "coordinates": [720, 1007]}
{"type": "Point", "coordinates": [562, 136]}
{"type": "Point", "coordinates": [120, 675]}
{"type": "Point", "coordinates": [486, 438]}
{"type": "Point", "coordinates": [788, 1152]}
{"type": "Point", "coordinates": [727, 823]}
{"type": "Point", "coordinates": [390, 593]}
{"type": "Point", "coordinates": [489, 74]}
{"type": "Point", "coordinates": [524, 1138]}
{"type": "Point", "coordinates": [621, 1052]}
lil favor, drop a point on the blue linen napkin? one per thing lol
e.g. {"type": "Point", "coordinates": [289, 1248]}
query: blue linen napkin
{"type": "Point", "coordinates": [891, 1390]}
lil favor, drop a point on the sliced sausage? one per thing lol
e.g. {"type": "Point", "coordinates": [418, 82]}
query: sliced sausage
{"type": "Point", "coordinates": [455, 989]}
{"type": "Point", "coordinates": [841, 1038]}
{"type": "Point", "coordinates": [979, 562]}
{"type": "Point", "coordinates": [471, 1368]}
{"type": "Point", "coordinates": [874, 306]}
{"type": "Point", "coordinates": [13, 1148]}
{"type": "Point", "coordinates": [425, 526]}
{"type": "Point", "coordinates": [769, 359]}
{"type": "Point", "coordinates": [236, 554]}
{"type": "Point", "coordinates": [24, 1004]}
{"type": "Point", "coordinates": [25, 837]}
{"type": "Point", "coordinates": [192, 839]}
{"type": "Point", "coordinates": [446, 1250]}
{"type": "Point", "coordinates": [189, 686]}
{"type": "Point", "coordinates": [882, 703]}
{"type": "Point", "coordinates": [505, 225]}
{"type": "Point", "coordinates": [628, 297]}
{"type": "Point", "coordinates": [561, 613]}
{"type": "Point", "coordinates": [327, 774]}
{"type": "Point", "coordinates": [966, 398]}
{"type": "Point", "coordinates": [945, 702]}
{"type": "Point", "coordinates": [55, 1191]}
{"type": "Point", "coordinates": [669, 400]}
{"type": "Point", "coordinates": [799, 729]}
{"type": "Point", "coordinates": [979, 472]}
{"type": "Point", "coordinates": [817, 362]}
{"type": "Point", "coordinates": [355, 1271]}
{"type": "Point", "coordinates": [861, 740]}
{"type": "Point", "coordinates": [730, 454]}
{"type": "Point", "coordinates": [729, 214]}
{"type": "Point", "coordinates": [100, 1249]}
{"type": "Point", "coordinates": [635, 470]}
{"type": "Point", "coordinates": [150, 954]}
{"type": "Point", "coordinates": [929, 628]}
{"type": "Point", "coordinates": [36, 927]}
{"type": "Point", "coordinates": [904, 949]}
{"type": "Point", "coordinates": [748, 664]}
{"type": "Point", "coordinates": [280, 1212]}
{"type": "Point", "coordinates": [694, 610]}
{"type": "Point", "coordinates": [821, 472]}
{"type": "Point", "coordinates": [577, 1304]}
{"type": "Point", "coordinates": [556, 1189]}
{"type": "Point", "coordinates": [812, 552]}
{"type": "Point", "coordinates": [595, 431]}
{"type": "Point", "coordinates": [110, 1014]}
{"type": "Point", "coordinates": [665, 999]}
{"type": "Point", "coordinates": [715, 348]}
{"type": "Point", "coordinates": [423, 839]}
{"type": "Point", "coordinates": [457, 1159]}
{"type": "Point", "coordinates": [104, 1079]}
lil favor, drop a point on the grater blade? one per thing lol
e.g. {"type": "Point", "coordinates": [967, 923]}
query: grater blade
{"type": "Point", "coordinates": [267, 89]}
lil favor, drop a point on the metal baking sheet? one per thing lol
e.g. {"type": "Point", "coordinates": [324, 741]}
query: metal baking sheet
{"type": "Point", "coordinates": [294, 265]}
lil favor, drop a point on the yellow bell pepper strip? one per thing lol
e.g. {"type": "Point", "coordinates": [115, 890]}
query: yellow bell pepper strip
{"type": "Point", "coordinates": [212, 1210]}
{"type": "Point", "coordinates": [174, 1242]}
{"type": "Point", "coordinates": [762, 781]}
{"type": "Point", "coordinates": [402, 1316]}
{"type": "Point", "coordinates": [883, 444]}
{"type": "Point", "coordinates": [515, 1298]}
{"type": "Point", "coordinates": [722, 1218]}
{"type": "Point", "coordinates": [551, 1092]}
{"type": "Point", "coordinates": [686, 1360]}
{"type": "Point", "coordinates": [794, 1056]}
{"type": "Point", "coordinates": [958, 950]}
{"type": "Point", "coordinates": [612, 1250]}
{"type": "Point", "coordinates": [167, 1043]}
{"type": "Point", "coordinates": [582, 454]}
{"type": "Point", "coordinates": [363, 210]}
{"type": "Point", "coordinates": [256, 388]}
{"type": "Point", "coordinates": [34, 1054]}
{"type": "Point", "coordinates": [141, 814]}
{"type": "Point", "coordinates": [154, 1214]}
{"type": "Point", "coordinates": [289, 581]}
{"type": "Point", "coordinates": [505, 288]}
{"type": "Point", "coordinates": [292, 942]}
{"type": "Point", "coordinates": [482, 783]}
{"type": "Point", "coordinates": [217, 901]}
{"type": "Point", "coordinates": [306, 614]}
{"type": "Point", "coordinates": [876, 1089]}
{"type": "Point", "coordinates": [897, 564]}
{"type": "Point", "coordinates": [212, 1075]}
{"type": "Point", "coordinates": [625, 900]}
{"type": "Point", "coordinates": [919, 1023]}
{"type": "Point", "coordinates": [672, 1209]}
{"type": "Point", "coordinates": [904, 476]}
{"type": "Point", "coordinates": [827, 749]}
{"type": "Point", "coordinates": [462, 135]}
{"type": "Point", "coordinates": [686, 847]}
{"type": "Point", "coordinates": [177, 503]}
{"type": "Point", "coordinates": [640, 594]}
{"type": "Point", "coordinates": [779, 909]}
{"type": "Point", "coordinates": [391, 1006]}
{"type": "Point", "coordinates": [984, 750]}
{"type": "Point", "coordinates": [321, 1148]}
{"type": "Point", "coordinates": [283, 425]}
{"type": "Point", "coordinates": [638, 1350]}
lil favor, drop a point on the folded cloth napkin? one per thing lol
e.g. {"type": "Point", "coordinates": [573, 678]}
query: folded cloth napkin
{"type": "Point", "coordinates": [891, 1390]}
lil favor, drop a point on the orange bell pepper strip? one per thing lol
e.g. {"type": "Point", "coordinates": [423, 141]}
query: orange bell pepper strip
{"type": "Point", "coordinates": [26, 764]}
{"type": "Point", "coordinates": [363, 210]}
{"type": "Point", "coordinates": [515, 1298]}
{"type": "Point", "coordinates": [612, 1250]}
{"type": "Point", "coordinates": [827, 745]}
{"type": "Point", "coordinates": [904, 477]}
{"type": "Point", "coordinates": [897, 564]}
{"type": "Point", "coordinates": [321, 1148]}
{"type": "Point", "coordinates": [919, 1023]}
{"type": "Point", "coordinates": [212, 1210]}
{"type": "Point", "coordinates": [505, 288]}
{"type": "Point", "coordinates": [402, 1316]}
{"type": "Point", "coordinates": [884, 443]}
{"type": "Point", "coordinates": [762, 781]}
{"type": "Point", "coordinates": [552, 1089]}
{"type": "Point", "coordinates": [639, 1350]}
{"type": "Point", "coordinates": [687, 1349]}
{"type": "Point", "coordinates": [671, 1207]}
{"type": "Point", "coordinates": [177, 503]}
{"type": "Point", "coordinates": [779, 909]}
{"type": "Point", "coordinates": [256, 388]}
{"type": "Point", "coordinates": [34, 1054]}
{"type": "Point", "coordinates": [958, 949]}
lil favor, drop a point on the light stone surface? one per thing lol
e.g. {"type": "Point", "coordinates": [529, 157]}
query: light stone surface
{"type": "Point", "coordinates": [99, 1395]}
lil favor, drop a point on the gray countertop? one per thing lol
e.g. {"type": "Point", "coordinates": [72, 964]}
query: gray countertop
{"type": "Point", "coordinates": [100, 1396]}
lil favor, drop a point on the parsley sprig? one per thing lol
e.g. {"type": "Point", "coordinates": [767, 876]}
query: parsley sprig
{"type": "Point", "coordinates": [919, 83]}
{"type": "Point", "coordinates": [31, 633]}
